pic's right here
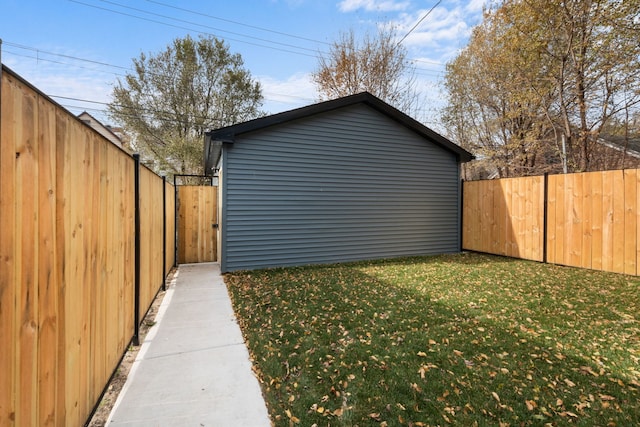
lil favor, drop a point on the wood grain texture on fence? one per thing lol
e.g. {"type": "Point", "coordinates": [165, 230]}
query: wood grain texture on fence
{"type": "Point", "coordinates": [592, 219]}
{"type": "Point", "coordinates": [197, 214]}
{"type": "Point", "coordinates": [170, 218]}
{"type": "Point", "coordinates": [503, 217]}
{"type": "Point", "coordinates": [66, 258]}
{"type": "Point", "coordinates": [151, 244]}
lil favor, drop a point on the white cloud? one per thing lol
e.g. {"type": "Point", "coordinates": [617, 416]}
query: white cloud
{"type": "Point", "coordinates": [372, 5]}
{"type": "Point", "coordinates": [296, 91]}
{"type": "Point", "coordinates": [475, 6]}
{"type": "Point", "coordinates": [444, 31]}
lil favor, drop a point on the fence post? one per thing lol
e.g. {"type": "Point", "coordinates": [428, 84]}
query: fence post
{"type": "Point", "coordinates": [544, 217]}
{"type": "Point", "coordinates": [136, 296]}
{"type": "Point", "coordinates": [164, 232]}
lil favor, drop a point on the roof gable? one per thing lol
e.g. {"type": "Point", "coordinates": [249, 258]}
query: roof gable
{"type": "Point", "coordinates": [228, 134]}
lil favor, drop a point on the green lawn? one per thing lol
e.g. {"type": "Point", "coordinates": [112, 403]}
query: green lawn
{"type": "Point", "coordinates": [463, 339]}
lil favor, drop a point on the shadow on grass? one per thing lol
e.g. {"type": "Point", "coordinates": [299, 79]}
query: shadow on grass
{"type": "Point", "coordinates": [377, 342]}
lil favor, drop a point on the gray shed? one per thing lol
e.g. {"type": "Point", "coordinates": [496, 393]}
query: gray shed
{"type": "Point", "coordinates": [342, 180]}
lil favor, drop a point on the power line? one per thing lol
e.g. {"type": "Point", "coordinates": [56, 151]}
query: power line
{"type": "Point", "coordinates": [425, 71]}
{"type": "Point", "coordinates": [192, 29]}
{"type": "Point", "coordinates": [204, 26]}
{"type": "Point", "coordinates": [420, 21]}
{"type": "Point", "coordinates": [316, 52]}
{"type": "Point", "coordinates": [237, 23]}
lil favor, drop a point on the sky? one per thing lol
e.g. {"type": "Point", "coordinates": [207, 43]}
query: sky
{"type": "Point", "coordinates": [75, 50]}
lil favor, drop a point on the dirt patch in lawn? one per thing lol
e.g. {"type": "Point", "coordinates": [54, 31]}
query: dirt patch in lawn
{"type": "Point", "coordinates": [116, 384]}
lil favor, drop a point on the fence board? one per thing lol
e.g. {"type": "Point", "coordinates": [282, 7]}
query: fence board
{"type": "Point", "coordinates": [8, 283]}
{"type": "Point", "coordinates": [47, 265]}
{"type": "Point", "coordinates": [170, 214]}
{"type": "Point", "coordinates": [66, 254]}
{"type": "Point", "coordinates": [597, 219]}
{"type": "Point", "coordinates": [630, 220]}
{"type": "Point", "coordinates": [592, 219]}
{"type": "Point", "coordinates": [618, 222]}
{"type": "Point", "coordinates": [197, 212]}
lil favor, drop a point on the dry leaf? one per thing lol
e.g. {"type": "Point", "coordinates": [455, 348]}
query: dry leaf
{"type": "Point", "coordinates": [495, 396]}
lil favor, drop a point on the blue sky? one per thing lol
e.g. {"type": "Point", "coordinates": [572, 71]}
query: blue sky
{"type": "Point", "coordinates": [75, 50]}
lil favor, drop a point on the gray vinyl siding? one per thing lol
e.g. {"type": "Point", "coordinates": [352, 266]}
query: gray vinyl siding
{"type": "Point", "coordinates": [351, 184]}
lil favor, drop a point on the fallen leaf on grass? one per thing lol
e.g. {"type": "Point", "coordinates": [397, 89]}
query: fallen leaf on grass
{"type": "Point", "coordinates": [531, 404]}
{"type": "Point", "coordinates": [495, 396]}
{"type": "Point", "coordinates": [293, 419]}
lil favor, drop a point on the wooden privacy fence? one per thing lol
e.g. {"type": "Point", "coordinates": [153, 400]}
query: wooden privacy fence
{"type": "Point", "coordinates": [587, 220]}
{"type": "Point", "coordinates": [78, 253]}
{"type": "Point", "coordinates": [197, 223]}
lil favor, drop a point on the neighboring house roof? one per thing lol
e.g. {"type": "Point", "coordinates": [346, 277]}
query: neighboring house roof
{"type": "Point", "coordinates": [100, 128]}
{"type": "Point", "coordinates": [214, 139]}
{"type": "Point", "coordinates": [619, 143]}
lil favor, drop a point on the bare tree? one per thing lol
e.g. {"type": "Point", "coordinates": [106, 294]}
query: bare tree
{"type": "Point", "coordinates": [377, 64]}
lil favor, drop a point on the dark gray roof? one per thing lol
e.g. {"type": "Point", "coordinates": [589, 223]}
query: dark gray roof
{"type": "Point", "coordinates": [228, 134]}
{"type": "Point", "coordinates": [632, 144]}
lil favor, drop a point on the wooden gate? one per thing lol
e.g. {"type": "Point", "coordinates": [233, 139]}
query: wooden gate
{"type": "Point", "coordinates": [197, 224]}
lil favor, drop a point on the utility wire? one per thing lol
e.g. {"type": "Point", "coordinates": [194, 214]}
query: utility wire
{"type": "Point", "coordinates": [236, 22]}
{"type": "Point", "coordinates": [189, 29]}
{"type": "Point", "coordinates": [205, 26]}
{"type": "Point", "coordinates": [420, 21]}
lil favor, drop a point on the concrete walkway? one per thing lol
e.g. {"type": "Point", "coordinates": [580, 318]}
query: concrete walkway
{"type": "Point", "coordinates": [193, 367]}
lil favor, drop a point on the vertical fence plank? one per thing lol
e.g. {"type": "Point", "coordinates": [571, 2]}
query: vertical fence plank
{"type": "Point", "coordinates": [9, 285]}
{"type": "Point", "coordinates": [630, 220]}
{"type": "Point", "coordinates": [551, 219]}
{"type": "Point", "coordinates": [618, 221]}
{"type": "Point", "coordinates": [637, 220]}
{"type": "Point", "coordinates": [474, 215]}
{"type": "Point", "coordinates": [607, 220]}
{"type": "Point", "coordinates": [48, 284]}
{"type": "Point", "coordinates": [170, 213]}
{"type": "Point", "coordinates": [27, 246]}
{"type": "Point", "coordinates": [502, 214]}
{"type": "Point", "coordinates": [587, 232]}
{"type": "Point", "coordinates": [561, 237]}
{"type": "Point", "coordinates": [595, 185]}
{"type": "Point", "coordinates": [573, 220]}
{"type": "Point", "coordinates": [538, 219]}
{"type": "Point", "coordinates": [62, 224]}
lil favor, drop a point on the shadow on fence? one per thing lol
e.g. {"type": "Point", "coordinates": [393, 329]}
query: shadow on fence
{"type": "Point", "coordinates": [87, 238]}
{"type": "Point", "coordinates": [587, 220]}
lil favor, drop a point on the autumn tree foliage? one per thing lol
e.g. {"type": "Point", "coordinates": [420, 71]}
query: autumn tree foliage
{"type": "Point", "coordinates": [540, 81]}
{"type": "Point", "coordinates": [376, 63]}
{"type": "Point", "coordinates": [173, 97]}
